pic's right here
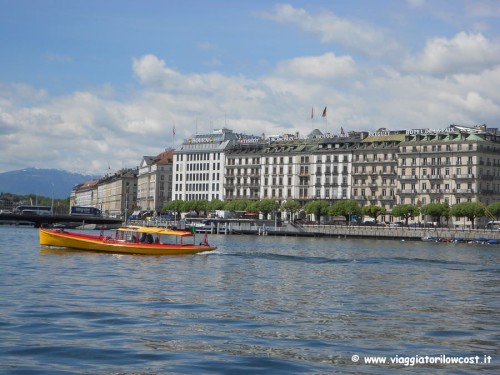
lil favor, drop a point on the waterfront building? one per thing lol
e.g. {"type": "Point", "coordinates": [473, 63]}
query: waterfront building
{"type": "Point", "coordinates": [115, 195]}
{"type": "Point", "coordinates": [384, 168]}
{"type": "Point", "coordinates": [85, 195]}
{"type": "Point", "coordinates": [317, 167]}
{"type": "Point", "coordinates": [242, 174]}
{"type": "Point", "coordinates": [154, 181]}
{"type": "Point", "coordinates": [199, 164]}
{"type": "Point", "coordinates": [374, 177]}
{"type": "Point", "coordinates": [452, 165]}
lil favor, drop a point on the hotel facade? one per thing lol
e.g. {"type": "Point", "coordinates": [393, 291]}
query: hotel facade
{"type": "Point", "coordinates": [385, 168]}
{"type": "Point", "coordinates": [199, 165]}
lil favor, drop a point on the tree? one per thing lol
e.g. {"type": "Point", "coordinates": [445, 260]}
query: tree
{"type": "Point", "coordinates": [195, 205]}
{"type": "Point", "coordinates": [266, 206]}
{"type": "Point", "coordinates": [345, 208]}
{"type": "Point", "coordinates": [493, 210]}
{"type": "Point", "coordinates": [237, 205]}
{"type": "Point", "coordinates": [436, 210]}
{"type": "Point", "coordinates": [405, 211]}
{"type": "Point", "coordinates": [470, 210]}
{"type": "Point", "coordinates": [176, 206]}
{"type": "Point", "coordinates": [291, 206]}
{"type": "Point", "coordinates": [374, 211]}
{"type": "Point", "coordinates": [318, 208]}
{"type": "Point", "coordinates": [215, 204]}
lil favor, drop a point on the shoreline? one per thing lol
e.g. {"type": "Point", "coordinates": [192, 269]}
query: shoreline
{"type": "Point", "coordinates": [269, 228]}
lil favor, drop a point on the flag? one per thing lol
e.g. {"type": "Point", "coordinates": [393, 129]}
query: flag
{"type": "Point", "coordinates": [342, 131]}
{"type": "Point", "coordinates": [324, 113]}
{"type": "Point", "coordinates": [173, 130]}
{"type": "Point", "coordinates": [312, 112]}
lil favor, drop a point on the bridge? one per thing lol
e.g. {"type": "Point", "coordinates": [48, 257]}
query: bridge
{"type": "Point", "coordinates": [40, 220]}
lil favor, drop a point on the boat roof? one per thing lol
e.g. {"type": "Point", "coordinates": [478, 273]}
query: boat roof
{"type": "Point", "coordinates": [155, 230]}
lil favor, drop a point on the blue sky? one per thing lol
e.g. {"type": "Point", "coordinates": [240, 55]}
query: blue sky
{"type": "Point", "coordinates": [89, 84]}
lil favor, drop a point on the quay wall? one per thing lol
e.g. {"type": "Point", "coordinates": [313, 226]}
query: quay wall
{"type": "Point", "coordinates": [342, 231]}
{"type": "Point", "coordinates": [386, 232]}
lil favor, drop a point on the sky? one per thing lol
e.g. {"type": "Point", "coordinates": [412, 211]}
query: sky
{"type": "Point", "coordinates": [91, 86]}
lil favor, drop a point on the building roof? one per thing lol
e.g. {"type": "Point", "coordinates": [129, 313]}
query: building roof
{"type": "Point", "coordinates": [384, 138]}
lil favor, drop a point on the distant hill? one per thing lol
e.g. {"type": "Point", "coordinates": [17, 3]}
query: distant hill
{"type": "Point", "coordinates": [43, 182]}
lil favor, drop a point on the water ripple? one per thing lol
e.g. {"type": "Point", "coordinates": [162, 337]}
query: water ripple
{"type": "Point", "coordinates": [258, 304]}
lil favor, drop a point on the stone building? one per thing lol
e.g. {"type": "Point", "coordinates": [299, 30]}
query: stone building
{"type": "Point", "coordinates": [154, 181]}
{"type": "Point", "coordinates": [115, 195]}
{"type": "Point", "coordinates": [199, 164]}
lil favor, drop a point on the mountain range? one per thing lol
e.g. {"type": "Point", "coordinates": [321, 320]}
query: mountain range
{"type": "Point", "coordinates": [49, 183]}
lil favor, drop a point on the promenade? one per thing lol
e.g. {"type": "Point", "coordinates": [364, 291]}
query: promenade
{"type": "Point", "coordinates": [373, 232]}
{"type": "Point", "coordinates": [398, 233]}
{"type": "Point", "coordinates": [269, 228]}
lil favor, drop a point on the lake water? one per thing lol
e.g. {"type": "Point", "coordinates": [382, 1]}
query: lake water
{"type": "Point", "coordinates": [279, 305]}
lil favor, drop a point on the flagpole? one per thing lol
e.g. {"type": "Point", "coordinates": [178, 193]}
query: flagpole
{"type": "Point", "coordinates": [312, 118]}
{"type": "Point", "coordinates": [173, 136]}
{"type": "Point", "coordinates": [326, 120]}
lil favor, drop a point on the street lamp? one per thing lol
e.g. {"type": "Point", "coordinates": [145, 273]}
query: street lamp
{"type": "Point", "coordinates": [52, 204]}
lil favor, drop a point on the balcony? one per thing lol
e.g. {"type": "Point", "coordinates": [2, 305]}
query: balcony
{"type": "Point", "coordinates": [385, 173]}
{"type": "Point", "coordinates": [406, 177]}
{"type": "Point", "coordinates": [463, 176]}
{"type": "Point", "coordinates": [387, 198]}
{"type": "Point", "coordinates": [464, 191]}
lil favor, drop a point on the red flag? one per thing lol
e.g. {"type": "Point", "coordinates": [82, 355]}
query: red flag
{"type": "Point", "coordinates": [312, 112]}
{"type": "Point", "coordinates": [324, 113]}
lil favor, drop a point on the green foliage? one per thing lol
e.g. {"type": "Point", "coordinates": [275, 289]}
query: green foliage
{"type": "Point", "coordinates": [493, 210]}
{"type": "Point", "coordinates": [174, 206]}
{"type": "Point", "coordinates": [470, 210]}
{"type": "Point", "coordinates": [237, 205]}
{"type": "Point", "coordinates": [266, 206]}
{"type": "Point", "coordinates": [194, 205]}
{"type": "Point", "coordinates": [374, 211]}
{"type": "Point", "coordinates": [437, 210]}
{"type": "Point", "coordinates": [318, 208]}
{"type": "Point", "coordinates": [215, 205]}
{"type": "Point", "coordinates": [405, 211]}
{"type": "Point", "coordinates": [291, 205]}
{"type": "Point", "coordinates": [253, 207]}
{"type": "Point", "coordinates": [345, 208]}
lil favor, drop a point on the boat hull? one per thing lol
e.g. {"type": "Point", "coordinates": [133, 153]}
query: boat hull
{"type": "Point", "coordinates": [88, 242]}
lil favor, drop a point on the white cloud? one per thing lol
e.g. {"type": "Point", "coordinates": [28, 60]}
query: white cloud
{"type": "Point", "coordinates": [325, 67]}
{"type": "Point", "coordinates": [356, 35]}
{"type": "Point", "coordinates": [151, 71]}
{"type": "Point", "coordinates": [464, 53]}
{"type": "Point", "coordinates": [85, 131]}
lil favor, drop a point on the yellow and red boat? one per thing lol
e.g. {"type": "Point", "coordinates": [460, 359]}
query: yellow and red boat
{"type": "Point", "coordinates": [129, 240]}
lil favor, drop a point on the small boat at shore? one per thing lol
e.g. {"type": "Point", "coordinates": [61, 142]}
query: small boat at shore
{"type": "Point", "coordinates": [128, 240]}
{"type": "Point", "coordinates": [429, 238]}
